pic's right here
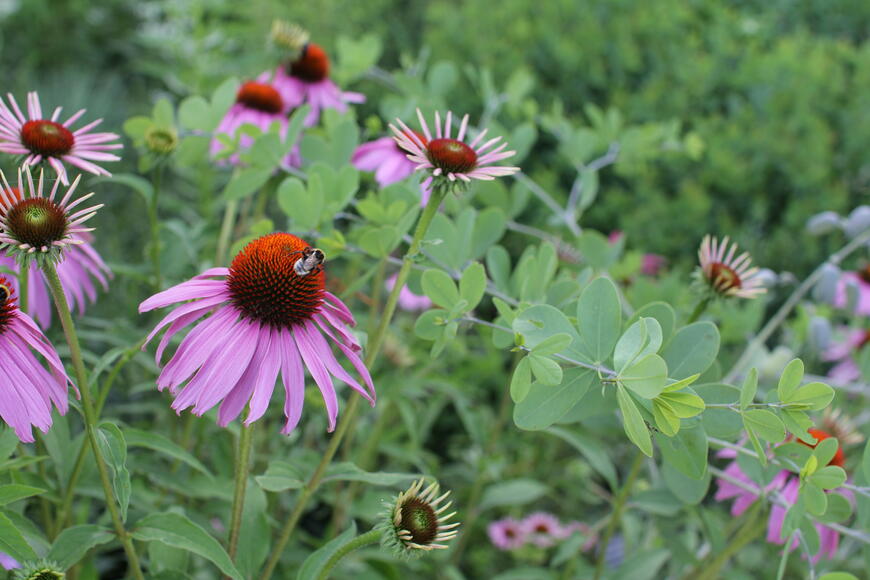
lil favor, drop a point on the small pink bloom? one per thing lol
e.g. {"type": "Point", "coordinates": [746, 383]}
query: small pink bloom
{"type": "Point", "coordinates": [306, 81]}
{"type": "Point", "coordinates": [41, 138]}
{"type": "Point", "coordinates": [844, 353]}
{"type": "Point", "coordinates": [407, 299]}
{"type": "Point", "coordinates": [506, 534]}
{"type": "Point", "coordinates": [8, 562]}
{"type": "Point", "coordinates": [652, 264]}
{"type": "Point", "coordinates": [542, 529]}
{"type": "Point", "coordinates": [859, 280]}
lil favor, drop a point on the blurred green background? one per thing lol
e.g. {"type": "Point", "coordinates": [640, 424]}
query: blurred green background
{"type": "Point", "coordinates": [772, 96]}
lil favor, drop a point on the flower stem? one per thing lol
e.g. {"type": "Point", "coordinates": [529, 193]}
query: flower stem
{"type": "Point", "coordinates": [23, 280]}
{"type": "Point", "coordinates": [226, 230]}
{"type": "Point", "coordinates": [618, 508]}
{"type": "Point", "coordinates": [368, 538]}
{"type": "Point", "coordinates": [155, 227]}
{"type": "Point", "coordinates": [243, 468]}
{"type": "Point", "coordinates": [372, 350]}
{"type": "Point", "coordinates": [90, 415]}
{"type": "Point", "coordinates": [751, 529]}
{"type": "Point", "coordinates": [700, 308]}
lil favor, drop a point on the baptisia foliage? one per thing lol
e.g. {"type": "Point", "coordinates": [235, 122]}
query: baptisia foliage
{"type": "Point", "coordinates": [443, 320]}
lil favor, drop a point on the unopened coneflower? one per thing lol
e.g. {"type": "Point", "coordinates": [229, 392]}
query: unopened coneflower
{"type": "Point", "coordinates": [416, 522]}
{"type": "Point", "coordinates": [40, 138]}
{"type": "Point", "coordinates": [725, 273]}
{"type": "Point", "coordinates": [79, 269]}
{"type": "Point", "coordinates": [305, 78]}
{"type": "Point", "coordinates": [453, 160]}
{"type": "Point", "coordinates": [29, 389]}
{"type": "Point", "coordinates": [39, 570]}
{"type": "Point", "coordinates": [270, 315]}
{"type": "Point", "coordinates": [40, 225]}
{"type": "Point", "coordinates": [257, 103]}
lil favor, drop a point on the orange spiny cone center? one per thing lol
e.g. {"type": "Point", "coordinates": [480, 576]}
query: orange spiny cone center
{"type": "Point", "coordinates": [37, 222]}
{"type": "Point", "coordinates": [839, 458]}
{"type": "Point", "coordinates": [265, 285]}
{"type": "Point", "coordinates": [451, 156]}
{"type": "Point", "coordinates": [47, 138]}
{"type": "Point", "coordinates": [312, 66]}
{"type": "Point", "coordinates": [260, 96]}
{"type": "Point", "coordinates": [724, 278]}
{"type": "Point", "coordinates": [7, 304]}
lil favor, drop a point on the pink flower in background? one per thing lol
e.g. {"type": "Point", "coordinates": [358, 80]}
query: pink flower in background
{"type": "Point", "coordinates": [8, 562]}
{"type": "Point", "coordinates": [385, 158]}
{"type": "Point", "coordinates": [46, 139]}
{"type": "Point", "coordinates": [28, 390]}
{"type": "Point", "coordinates": [407, 299]}
{"type": "Point", "coordinates": [80, 266]}
{"type": "Point", "coordinates": [861, 280]}
{"type": "Point", "coordinates": [844, 353]}
{"type": "Point", "coordinates": [506, 534]}
{"type": "Point", "coordinates": [258, 103]}
{"type": "Point", "coordinates": [543, 529]}
{"type": "Point", "coordinates": [652, 264]}
{"type": "Point", "coordinates": [453, 158]}
{"type": "Point", "coordinates": [306, 81]}
{"type": "Point", "coordinates": [269, 314]}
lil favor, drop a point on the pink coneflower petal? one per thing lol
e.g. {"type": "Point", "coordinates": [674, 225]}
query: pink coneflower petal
{"type": "Point", "coordinates": [268, 318]}
{"type": "Point", "coordinates": [725, 274]}
{"type": "Point", "coordinates": [39, 137]}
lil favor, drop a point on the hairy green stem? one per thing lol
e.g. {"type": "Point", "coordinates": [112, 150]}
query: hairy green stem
{"type": "Point", "coordinates": [23, 281]}
{"type": "Point", "coordinates": [226, 231]}
{"type": "Point", "coordinates": [700, 308]}
{"type": "Point", "coordinates": [372, 350]}
{"type": "Point", "coordinates": [243, 468]}
{"type": "Point", "coordinates": [155, 227]}
{"type": "Point", "coordinates": [90, 416]}
{"type": "Point", "coordinates": [618, 508]}
{"type": "Point", "coordinates": [368, 538]}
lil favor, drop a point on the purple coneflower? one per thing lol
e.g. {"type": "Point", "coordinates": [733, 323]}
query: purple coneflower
{"type": "Point", "coordinates": [28, 389]}
{"type": "Point", "coordinates": [57, 143]}
{"type": "Point", "coordinates": [305, 80]}
{"type": "Point", "coordinates": [506, 534]}
{"type": "Point", "coordinates": [453, 158]}
{"type": "Point", "coordinates": [408, 300]}
{"type": "Point", "coordinates": [861, 281]}
{"type": "Point", "coordinates": [725, 274]}
{"type": "Point", "coordinates": [385, 158]}
{"type": "Point", "coordinates": [32, 223]}
{"type": "Point", "coordinates": [260, 104]}
{"type": "Point", "coordinates": [269, 314]}
{"type": "Point", "coordinates": [80, 265]}
{"type": "Point", "coordinates": [543, 529]}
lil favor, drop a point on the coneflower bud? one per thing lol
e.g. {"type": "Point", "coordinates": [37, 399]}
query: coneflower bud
{"type": "Point", "coordinates": [161, 141]}
{"type": "Point", "coordinates": [39, 570]}
{"type": "Point", "coordinates": [415, 522]}
{"type": "Point", "coordinates": [288, 35]}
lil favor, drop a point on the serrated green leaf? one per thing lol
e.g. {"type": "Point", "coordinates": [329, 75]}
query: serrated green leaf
{"type": "Point", "coordinates": [790, 380]}
{"type": "Point", "coordinates": [633, 422]}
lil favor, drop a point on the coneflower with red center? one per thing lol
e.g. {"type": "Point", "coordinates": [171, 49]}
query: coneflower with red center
{"type": "Point", "coordinates": [726, 274]}
{"type": "Point", "coordinates": [29, 389]}
{"type": "Point", "coordinates": [270, 315]}
{"type": "Point", "coordinates": [507, 534]}
{"type": "Point", "coordinates": [260, 104]}
{"type": "Point", "coordinates": [36, 225]}
{"type": "Point", "coordinates": [305, 80]}
{"type": "Point", "coordinates": [860, 280]}
{"type": "Point", "coordinates": [42, 138]}
{"type": "Point", "coordinates": [451, 161]}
